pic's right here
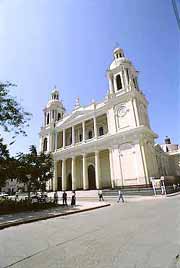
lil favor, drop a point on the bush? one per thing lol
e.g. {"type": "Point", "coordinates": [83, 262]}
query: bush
{"type": "Point", "coordinates": [10, 206]}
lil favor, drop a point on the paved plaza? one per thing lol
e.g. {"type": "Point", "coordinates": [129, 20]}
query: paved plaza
{"type": "Point", "coordinates": [143, 234]}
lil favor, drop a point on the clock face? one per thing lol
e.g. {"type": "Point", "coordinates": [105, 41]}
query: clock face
{"type": "Point", "coordinates": [122, 111]}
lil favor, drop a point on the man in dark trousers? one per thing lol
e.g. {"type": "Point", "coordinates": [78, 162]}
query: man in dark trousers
{"type": "Point", "coordinates": [120, 196]}
{"type": "Point", "coordinates": [64, 197]}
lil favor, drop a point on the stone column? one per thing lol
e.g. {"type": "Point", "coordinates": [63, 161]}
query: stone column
{"type": "Point", "coordinates": [95, 128]}
{"type": "Point", "coordinates": [64, 138]}
{"type": "Point", "coordinates": [125, 78]}
{"type": "Point", "coordinates": [84, 131]}
{"type": "Point", "coordinates": [73, 136]}
{"type": "Point", "coordinates": [136, 114]}
{"type": "Point", "coordinates": [110, 79]}
{"type": "Point", "coordinates": [55, 142]}
{"type": "Point", "coordinates": [122, 79]}
{"type": "Point", "coordinates": [85, 173]}
{"type": "Point", "coordinates": [97, 170]}
{"type": "Point", "coordinates": [73, 173]}
{"type": "Point", "coordinates": [111, 167]}
{"type": "Point", "coordinates": [144, 162]}
{"type": "Point", "coordinates": [64, 174]}
{"type": "Point", "coordinates": [55, 176]}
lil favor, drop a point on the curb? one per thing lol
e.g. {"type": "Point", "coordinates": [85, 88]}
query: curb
{"type": "Point", "coordinates": [25, 221]}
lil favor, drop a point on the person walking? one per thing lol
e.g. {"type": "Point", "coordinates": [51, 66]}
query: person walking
{"type": "Point", "coordinates": [55, 197]}
{"type": "Point", "coordinates": [120, 196]}
{"type": "Point", "coordinates": [64, 198]}
{"type": "Point", "coordinates": [73, 198]}
{"type": "Point", "coordinates": [100, 194]}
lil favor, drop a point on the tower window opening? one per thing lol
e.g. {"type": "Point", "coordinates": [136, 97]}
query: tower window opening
{"type": "Point", "coordinates": [48, 119]}
{"type": "Point", "coordinates": [134, 80]}
{"type": "Point", "coordinates": [90, 134]}
{"type": "Point", "coordinates": [45, 145]}
{"type": "Point", "coordinates": [118, 82]}
{"type": "Point", "coordinates": [101, 131]}
{"type": "Point", "coordinates": [127, 73]}
{"type": "Point", "coordinates": [59, 116]}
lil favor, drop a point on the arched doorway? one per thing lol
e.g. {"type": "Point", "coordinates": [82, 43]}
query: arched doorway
{"type": "Point", "coordinates": [91, 177]}
{"type": "Point", "coordinates": [69, 182]}
{"type": "Point", "coordinates": [59, 184]}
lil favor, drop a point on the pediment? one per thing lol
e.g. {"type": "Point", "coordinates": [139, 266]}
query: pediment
{"type": "Point", "coordinates": [75, 117]}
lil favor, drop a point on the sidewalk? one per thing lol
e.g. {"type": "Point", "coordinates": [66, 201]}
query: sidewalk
{"type": "Point", "coordinates": [9, 220]}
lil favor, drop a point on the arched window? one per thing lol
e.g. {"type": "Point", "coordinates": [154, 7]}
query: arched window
{"type": "Point", "coordinates": [101, 131]}
{"type": "Point", "coordinates": [48, 119]}
{"type": "Point", "coordinates": [59, 116]}
{"type": "Point", "coordinates": [45, 145]}
{"type": "Point", "coordinates": [118, 82]}
{"type": "Point", "coordinates": [90, 134]}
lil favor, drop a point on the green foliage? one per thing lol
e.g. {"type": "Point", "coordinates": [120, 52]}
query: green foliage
{"type": "Point", "coordinates": [12, 206]}
{"type": "Point", "coordinates": [12, 115]}
{"type": "Point", "coordinates": [34, 169]}
{"type": "Point", "coordinates": [7, 164]}
{"type": "Point", "coordinates": [13, 118]}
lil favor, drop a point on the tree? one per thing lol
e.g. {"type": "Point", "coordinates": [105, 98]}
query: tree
{"type": "Point", "coordinates": [34, 170]}
{"type": "Point", "coordinates": [12, 116]}
{"type": "Point", "coordinates": [7, 164]}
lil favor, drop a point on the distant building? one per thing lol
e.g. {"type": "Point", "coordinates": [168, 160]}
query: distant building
{"type": "Point", "coordinates": [12, 186]}
{"type": "Point", "coordinates": [108, 143]}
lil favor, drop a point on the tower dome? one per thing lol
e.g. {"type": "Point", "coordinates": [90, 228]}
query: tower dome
{"type": "Point", "coordinates": [55, 94]}
{"type": "Point", "coordinates": [118, 53]}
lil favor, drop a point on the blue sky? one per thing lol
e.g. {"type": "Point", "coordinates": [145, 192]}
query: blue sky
{"type": "Point", "coordinates": [69, 44]}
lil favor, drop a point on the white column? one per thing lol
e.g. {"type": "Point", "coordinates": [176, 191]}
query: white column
{"type": "Point", "coordinates": [111, 167]}
{"type": "Point", "coordinates": [122, 79]}
{"type": "Point", "coordinates": [73, 136]}
{"type": "Point", "coordinates": [110, 79]}
{"type": "Point", "coordinates": [55, 176]}
{"type": "Point", "coordinates": [64, 174]}
{"type": "Point", "coordinates": [125, 78]}
{"type": "Point", "coordinates": [73, 173]}
{"type": "Point", "coordinates": [84, 131]}
{"type": "Point", "coordinates": [97, 170]}
{"type": "Point", "coordinates": [144, 162]}
{"type": "Point", "coordinates": [55, 143]}
{"type": "Point", "coordinates": [135, 111]}
{"type": "Point", "coordinates": [95, 127]}
{"type": "Point", "coordinates": [85, 173]}
{"type": "Point", "coordinates": [64, 138]}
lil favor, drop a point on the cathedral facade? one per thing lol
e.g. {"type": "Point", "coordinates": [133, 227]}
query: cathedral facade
{"type": "Point", "coordinates": [104, 144]}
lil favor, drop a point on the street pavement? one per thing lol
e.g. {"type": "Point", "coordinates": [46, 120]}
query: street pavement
{"type": "Point", "coordinates": [144, 234]}
{"type": "Point", "coordinates": [8, 220]}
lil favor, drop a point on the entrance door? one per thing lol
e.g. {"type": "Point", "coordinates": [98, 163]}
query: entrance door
{"type": "Point", "coordinates": [91, 177]}
{"type": "Point", "coordinates": [69, 182]}
{"type": "Point", "coordinates": [59, 184]}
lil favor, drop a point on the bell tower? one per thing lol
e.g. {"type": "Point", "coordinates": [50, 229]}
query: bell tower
{"type": "Point", "coordinates": [123, 81]}
{"type": "Point", "coordinates": [122, 75]}
{"type": "Point", "coordinates": [53, 113]}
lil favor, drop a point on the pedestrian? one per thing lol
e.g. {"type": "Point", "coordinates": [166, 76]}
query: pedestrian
{"type": "Point", "coordinates": [16, 198]}
{"type": "Point", "coordinates": [100, 194]}
{"type": "Point", "coordinates": [73, 198]}
{"type": "Point", "coordinates": [120, 196]}
{"type": "Point", "coordinates": [55, 197]}
{"type": "Point", "coordinates": [64, 198]}
{"type": "Point", "coordinates": [174, 186]}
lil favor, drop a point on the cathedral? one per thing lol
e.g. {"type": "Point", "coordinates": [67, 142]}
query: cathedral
{"type": "Point", "coordinates": [105, 144]}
